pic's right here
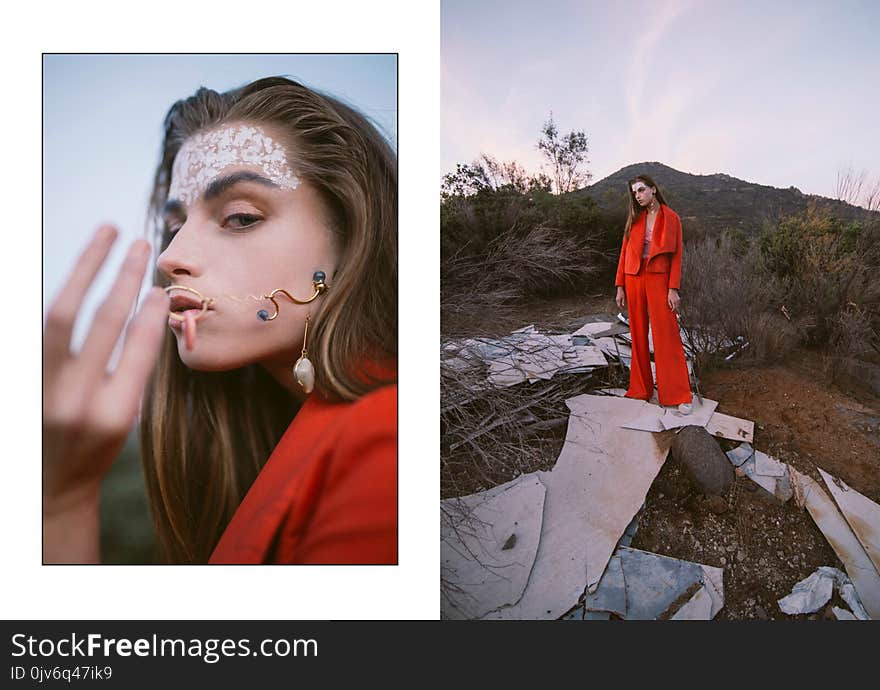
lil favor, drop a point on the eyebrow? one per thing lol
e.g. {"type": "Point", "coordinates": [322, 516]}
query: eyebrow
{"type": "Point", "coordinates": [218, 187]}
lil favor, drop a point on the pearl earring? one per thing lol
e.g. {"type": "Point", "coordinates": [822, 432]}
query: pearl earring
{"type": "Point", "coordinates": [303, 370]}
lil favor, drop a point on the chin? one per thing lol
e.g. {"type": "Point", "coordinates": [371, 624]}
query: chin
{"type": "Point", "coordinates": [204, 358]}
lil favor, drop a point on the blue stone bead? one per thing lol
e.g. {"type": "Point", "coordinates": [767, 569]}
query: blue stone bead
{"type": "Point", "coordinates": [263, 315]}
{"type": "Point", "coordinates": [319, 276]}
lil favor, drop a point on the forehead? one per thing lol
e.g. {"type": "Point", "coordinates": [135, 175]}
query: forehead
{"type": "Point", "coordinates": [205, 155]}
{"type": "Point", "coordinates": [639, 183]}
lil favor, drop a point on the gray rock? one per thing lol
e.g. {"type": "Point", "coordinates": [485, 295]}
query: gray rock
{"type": "Point", "coordinates": [702, 459]}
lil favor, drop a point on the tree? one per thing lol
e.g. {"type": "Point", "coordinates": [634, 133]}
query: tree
{"type": "Point", "coordinates": [567, 157]}
{"type": "Point", "coordinates": [490, 174]}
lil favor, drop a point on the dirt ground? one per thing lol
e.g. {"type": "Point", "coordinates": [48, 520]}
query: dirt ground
{"type": "Point", "coordinates": [801, 418]}
{"type": "Point", "coordinates": [764, 545]}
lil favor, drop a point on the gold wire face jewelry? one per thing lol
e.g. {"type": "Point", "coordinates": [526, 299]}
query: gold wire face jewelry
{"type": "Point", "coordinates": [317, 283]}
{"type": "Point", "coordinates": [303, 369]}
{"type": "Point", "coordinates": [206, 301]}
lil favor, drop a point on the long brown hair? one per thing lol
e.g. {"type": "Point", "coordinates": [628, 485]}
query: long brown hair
{"type": "Point", "coordinates": [205, 435]}
{"type": "Point", "coordinates": [634, 208]}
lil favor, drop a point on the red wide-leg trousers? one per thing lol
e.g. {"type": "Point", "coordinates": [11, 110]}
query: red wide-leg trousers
{"type": "Point", "coordinates": [647, 294]}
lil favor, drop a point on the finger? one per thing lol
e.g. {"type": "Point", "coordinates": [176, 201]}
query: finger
{"type": "Point", "coordinates": [113, 313]}
{"type": "Point", "coordinates": [61, 315]}
{"type": "Point", "coordinates": [143, 341]}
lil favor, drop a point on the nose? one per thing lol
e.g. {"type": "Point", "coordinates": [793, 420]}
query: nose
{"type": "Point", "coordinates": [180, 257]}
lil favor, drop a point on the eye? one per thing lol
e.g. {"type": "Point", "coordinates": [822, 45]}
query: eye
{"type": "Point", "coordinates": [241, 221]}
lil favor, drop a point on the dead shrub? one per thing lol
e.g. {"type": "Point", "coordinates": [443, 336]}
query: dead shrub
{"type": "Point", "coordinates": [490, 435]}
{"type": "Point", "coordinates": [518, 264]}
{"type": "Point", "coordinates": [728, 301]}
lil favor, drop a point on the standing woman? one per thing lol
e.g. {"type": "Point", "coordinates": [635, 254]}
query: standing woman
{"type": "Point", "coordinates": [262, 364]}
{"type": "Point", "coordinates": [648, 279]}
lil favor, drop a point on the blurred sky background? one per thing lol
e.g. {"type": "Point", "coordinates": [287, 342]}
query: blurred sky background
{"type": "Point", "coordinates": [102, 128]}
{"type": "Point", "coordinates": [782, 94]}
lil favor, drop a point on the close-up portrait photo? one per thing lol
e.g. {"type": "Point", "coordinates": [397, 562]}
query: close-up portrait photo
{"type": "Point", "coordinates": [220, 309]}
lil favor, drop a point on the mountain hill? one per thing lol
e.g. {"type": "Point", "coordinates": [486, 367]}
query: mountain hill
{"type": "Point", "coordinates": [714, 202]}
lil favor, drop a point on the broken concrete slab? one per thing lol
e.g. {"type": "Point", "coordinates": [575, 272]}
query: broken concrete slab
{"type": "Point", "coordinates": [578, 614]}
{"type": "Point", "coordinates": [612, 348]}
{"type": "Point", "coordinates": [703, 461]}
{"type": "Point", "coordinates": [810, 594]}
{"type": "Point", "coordinates": [489, 542]}
{"type": "Point", "coordinates": [619, 392]}
{"type": "Point", "coordinates": [660, 586]}
{"type": "Point", "coordinates": [746, 461]}
{"type": "Point", "coordinates": [610, 594]}
{"type": "Point", "coordinates": [741, 454]}
{"type": "Point", "coordinates": [767, 466]}
{"type": "Point", "coordinates": [504, 372]}
{"type": "Point", "coordinates": [862, 514]}
{"type": "Point", "coordinates": [588, 355]}
{"type": "Point", "coordinates": [700, 415]}
{"type": "Point", "coordinates": [698, 608]}
{"type": "Point", "coordinates": [814, 591]}
{"type": "Point", "coordinates": [592, 328]}
{"type": "Point", "coordinates": [614, 330]}
{"type": "Point", "coordinates": [598, 483]}
{"type": "Point", "coordinates": [864, 576]}
{"type": "Point", "coordinates": [652, 417]}
{"type": "Point", "coordinates": [647, 418]}
{"type": "Point", "coordinates": [732, 428]}
{"type": "Point", "coordinates": [630, 530]}
{"type": "Point", "coordinates": [843, 614]}
{"type": "Point", "coordinates": [524, 355]}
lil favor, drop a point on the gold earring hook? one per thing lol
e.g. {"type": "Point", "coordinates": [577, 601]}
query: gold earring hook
{"type": "Point", "coordinates": [317, 283]}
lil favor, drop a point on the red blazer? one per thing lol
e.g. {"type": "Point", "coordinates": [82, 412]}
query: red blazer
{"type": "Point", "coordinates": [664, 254]}
{"type": "Point", "coordinates": [328, 492]}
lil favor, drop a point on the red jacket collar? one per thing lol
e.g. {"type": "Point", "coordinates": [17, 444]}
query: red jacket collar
{"type": "Point", "coordinates": [661, 241]}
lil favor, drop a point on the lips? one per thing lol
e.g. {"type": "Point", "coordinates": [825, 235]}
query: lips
{"type": "Point", "coordinates": [180, 303]}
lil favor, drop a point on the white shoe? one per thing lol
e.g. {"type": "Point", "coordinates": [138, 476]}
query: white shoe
{"type": "Point", "coordinates": [685, 408]}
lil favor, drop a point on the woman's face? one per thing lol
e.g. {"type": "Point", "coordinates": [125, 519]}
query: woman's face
{"type": "Point", "coordinates": [643, 193]}
{"type": "Point", "coordinates": [243, 225]}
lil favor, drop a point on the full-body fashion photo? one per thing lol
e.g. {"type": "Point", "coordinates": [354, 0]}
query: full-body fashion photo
{"type": "Point", "coordinates": [647, 281]}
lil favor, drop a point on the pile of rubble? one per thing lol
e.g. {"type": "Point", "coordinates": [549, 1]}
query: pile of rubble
{"type": "Point", "coordinates": [556, 544]}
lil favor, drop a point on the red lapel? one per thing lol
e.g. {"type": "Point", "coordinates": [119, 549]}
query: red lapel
{"type": "Point", "coordinates": [291, 471]}
{"type": "Point", "coordinates": [249, 534]}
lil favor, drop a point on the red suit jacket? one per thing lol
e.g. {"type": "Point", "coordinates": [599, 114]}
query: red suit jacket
{"type": "Point", "coordinates": [664, 255]}
{"type": "Point", "coordinates": [327, 493]}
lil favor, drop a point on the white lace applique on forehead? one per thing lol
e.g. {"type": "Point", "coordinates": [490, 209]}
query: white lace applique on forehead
{"type": "Point", "coordinates": [204, 155]}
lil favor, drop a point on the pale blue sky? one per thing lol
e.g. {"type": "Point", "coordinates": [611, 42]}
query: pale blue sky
{"type": "Point", "coordinates": [102, 127]}
{"type": "Point", "coordinates": [781, 93]}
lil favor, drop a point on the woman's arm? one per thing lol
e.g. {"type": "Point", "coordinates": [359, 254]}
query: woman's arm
{"type": "Point", "coordinates": [88, 411]}
{"type": "Point", "coordinates": [619, 279]}
{"type": "Point", "coordinates": [675, 264]}
{"type": "Point", "coordinates": [70, 532]}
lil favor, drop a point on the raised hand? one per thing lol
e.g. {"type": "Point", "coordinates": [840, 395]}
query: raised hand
{"type": "Point", "coordinates": [87, 410]}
